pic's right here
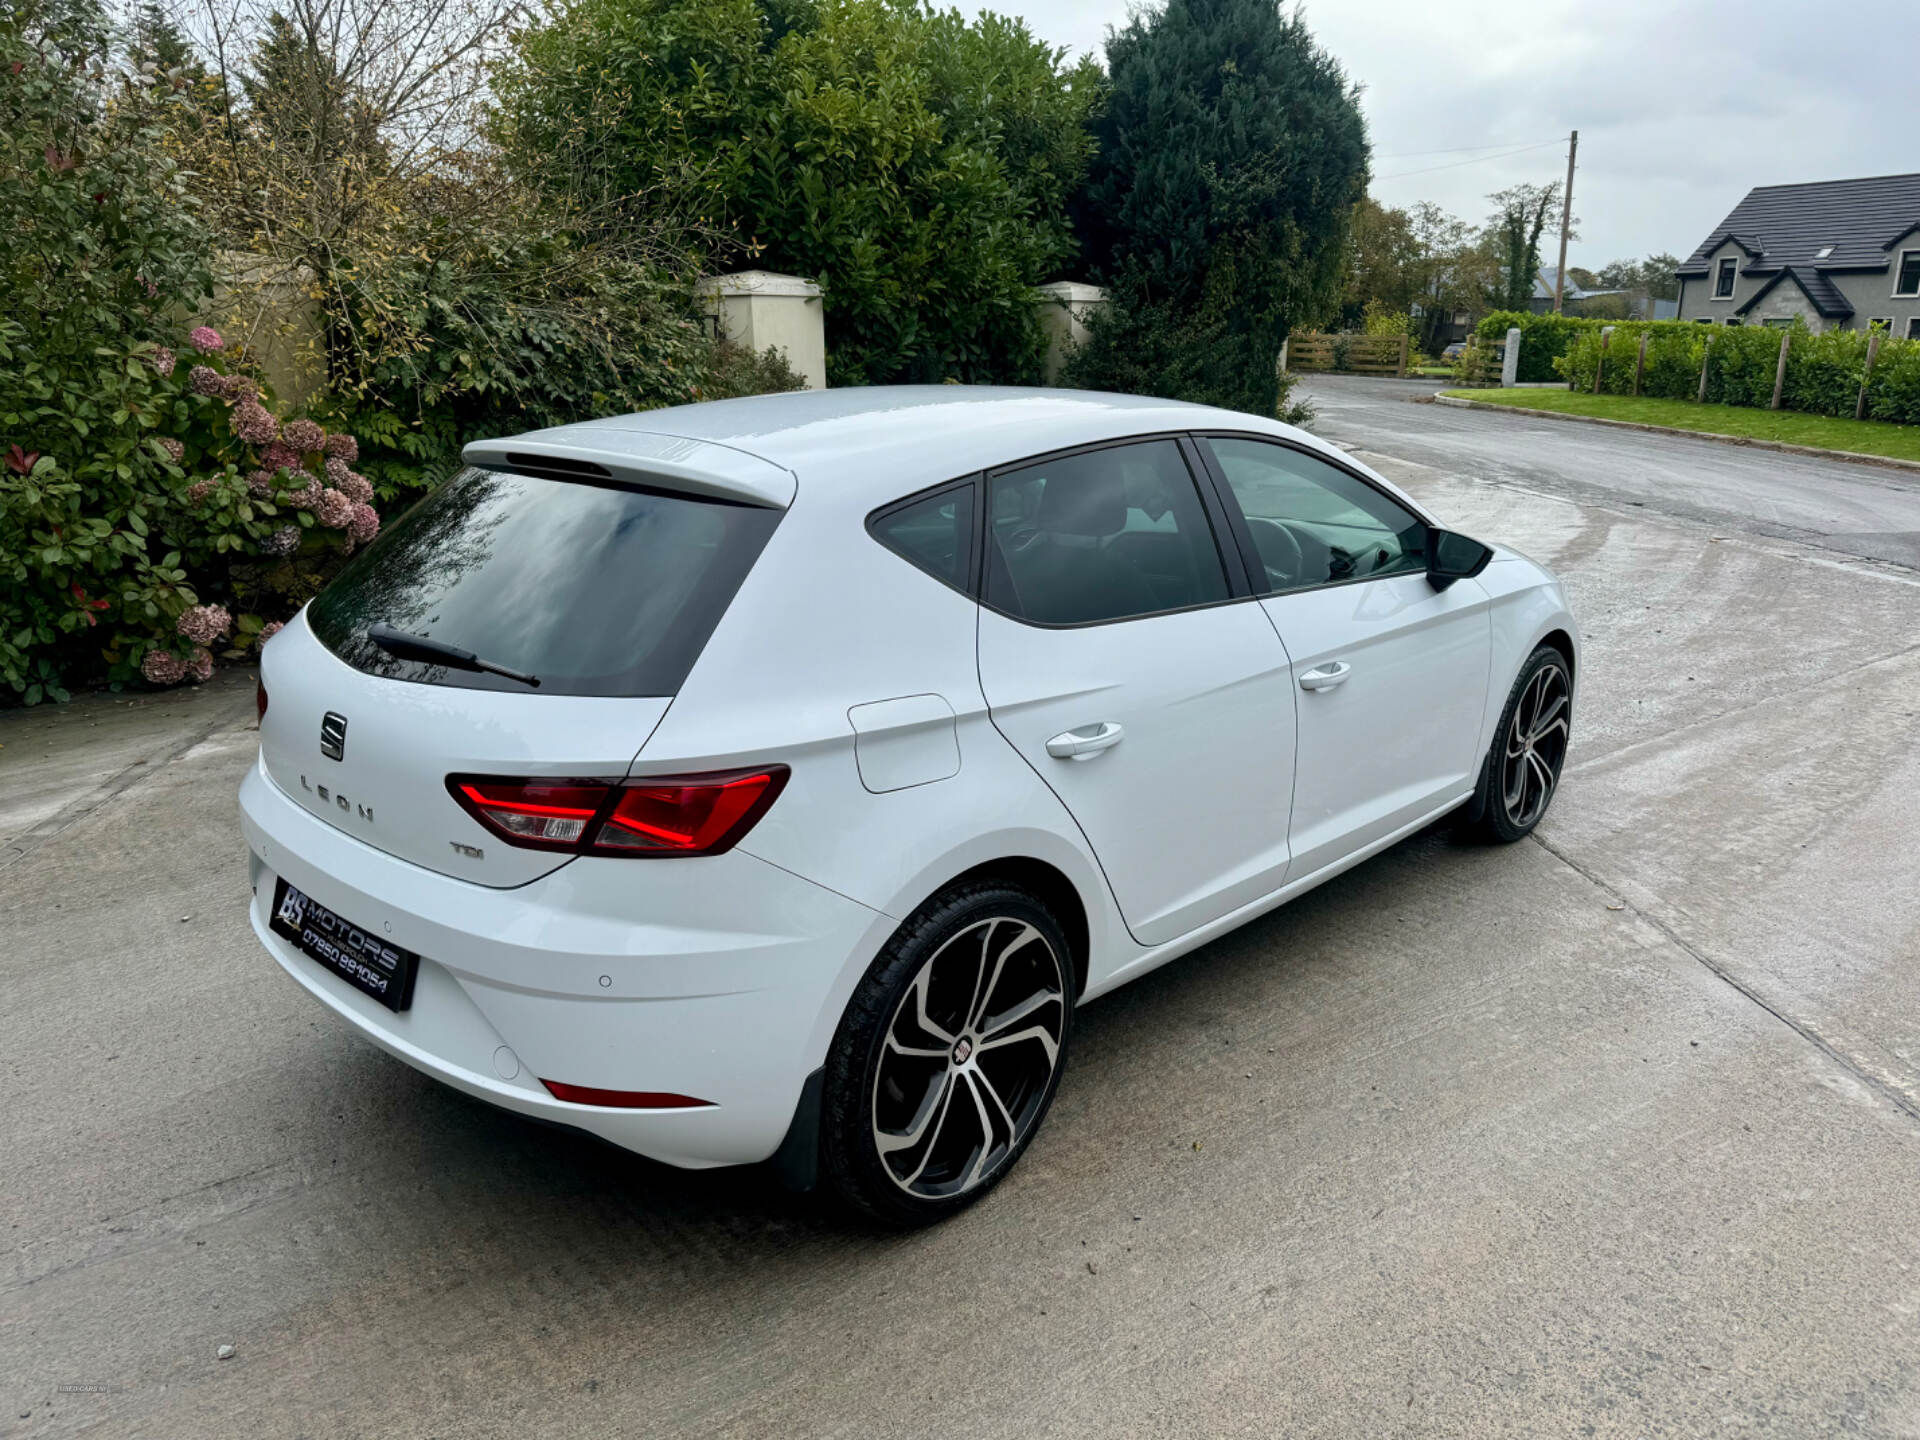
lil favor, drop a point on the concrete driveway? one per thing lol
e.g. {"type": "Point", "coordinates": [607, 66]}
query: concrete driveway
{"type": "Point", "coordinates": [1615, 1132]}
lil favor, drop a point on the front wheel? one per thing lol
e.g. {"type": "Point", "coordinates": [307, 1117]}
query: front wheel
{"type": "Point", "coordinates": [948, 1056]}
{"type": "Point", "coordinates": [1522, 768]}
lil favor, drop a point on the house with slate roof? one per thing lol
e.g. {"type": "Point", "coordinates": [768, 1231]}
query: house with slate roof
{"type": "Point", "coordinates": [1839, 254]}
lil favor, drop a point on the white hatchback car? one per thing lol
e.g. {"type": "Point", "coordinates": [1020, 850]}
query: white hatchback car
{"type": "Point", "coordinates": [773, 777]}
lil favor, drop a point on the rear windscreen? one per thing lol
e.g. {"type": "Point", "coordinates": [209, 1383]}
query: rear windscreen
{"type": "Point", "coordinates": [596, 590]}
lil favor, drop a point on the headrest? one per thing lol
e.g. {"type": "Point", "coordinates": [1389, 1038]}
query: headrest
{"type": "Point", "coordinates": [1088, 502]}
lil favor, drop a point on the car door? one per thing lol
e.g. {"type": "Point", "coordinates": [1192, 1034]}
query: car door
{"type": "Point", "coordinates": [1141, 683]}
{"type": "Point", "coordinates": [1391, 672]}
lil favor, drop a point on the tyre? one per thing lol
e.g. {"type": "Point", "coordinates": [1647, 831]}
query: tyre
{"type": "Point", "coordinates": [948, 1056]}
{"type": "Point", "coordinates": [1522, 769]}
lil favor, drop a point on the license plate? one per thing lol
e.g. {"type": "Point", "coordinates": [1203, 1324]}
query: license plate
{"type": "Point", "coordinates": [364, 961]}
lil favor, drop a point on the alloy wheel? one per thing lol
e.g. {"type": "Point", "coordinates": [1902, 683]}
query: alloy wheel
{"type": "Point", "coordinates": [1536, 746]}
{"type": "Point", "coordinates": [968, 1058]}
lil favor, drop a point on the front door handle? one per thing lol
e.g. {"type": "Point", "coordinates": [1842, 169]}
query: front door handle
{"type": "Point", "coordinates": [1325, 677]}
{"type": "Point", "coordinates": [1086, 742]}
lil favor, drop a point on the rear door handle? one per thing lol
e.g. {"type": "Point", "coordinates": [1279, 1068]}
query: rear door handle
{"type": "Point", "coordinates": [1325, 677]}
{"type": "Point", "coordinates": [1086, 742]}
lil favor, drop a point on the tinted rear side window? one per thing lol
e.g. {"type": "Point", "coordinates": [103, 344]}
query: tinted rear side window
{"type": "Point", "coordinates": [935, 534]}
{"type": "Point", "coordinates": [596, 590]}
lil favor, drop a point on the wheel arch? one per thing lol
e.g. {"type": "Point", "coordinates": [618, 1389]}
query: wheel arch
{"type": "Point", "coordinates": [1049, 884]}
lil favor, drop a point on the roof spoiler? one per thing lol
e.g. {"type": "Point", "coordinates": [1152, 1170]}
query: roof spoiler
{"type": "Point", "coordinates": [602, 454]}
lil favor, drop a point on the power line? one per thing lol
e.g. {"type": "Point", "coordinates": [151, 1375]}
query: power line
{"type": "Point", "coordinates": [1478, 160]}
{"type": "Point", "coordinates": [1456, 150]}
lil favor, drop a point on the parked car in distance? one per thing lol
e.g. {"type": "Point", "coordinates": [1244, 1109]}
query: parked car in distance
{"type": "Point", "coordinates": [772, 778]}
{"type": "Point", "coordinates": [1454, 351]}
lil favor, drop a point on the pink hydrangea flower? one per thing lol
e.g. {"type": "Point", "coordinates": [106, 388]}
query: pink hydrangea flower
{"type": "Point", "coordinates": [357, 488]}
{"type": "Point", "coordinates": [337, 471]}
{"type": "Point", "coordinates": [363, 524]}
{"type": "Point", "coordinates": [242, 387]}
{"type": "Point", "coordinates": [304, 435]}
{"type": "Point", "coordinates": [260, 483]}
{"type": "Point", "coordinates": [280, 456]}
{"type": "Point", "coordinates": [253, 424]}
{"type": "Point", "coordinates": [343, 446]}
{"type": "Point", "coordinates": [306, 497]}
{"type": "Point", "coordinates": [205, 380]}
{"type": "Point", "coordinates": [333, 510]}
{"type": "Point", "coordinates": [200, 667]}
{"type": "Point", "coordinates": [280, 543]}
{"type": "Point", "coordinates": [162, 361]}
{"type": "Point", "coordinates": [205, 339]}
{"type": "Point", "coordinates": [163, 667]}
{"type": "Point", "coordinates": [204, 624]}
{"type": "Point", "coordinates": [198, 491]}
{"type": "Point", "coordinates": [176, 452]}
{"type": "Point", "coordinates": [268, 631]}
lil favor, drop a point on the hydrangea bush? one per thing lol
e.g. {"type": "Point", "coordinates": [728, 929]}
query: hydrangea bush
{"type": "Point", "coordinates": [155, 508]}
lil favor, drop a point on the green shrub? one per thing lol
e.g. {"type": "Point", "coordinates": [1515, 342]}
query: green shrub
{"type": "Point", "coordinates": [1162, 350]}
{"type": "Point", "coordinates": [914, 162]}
{"type": "Point", "coordinates": [1543, 339]}
{"type": "Point", "coordinates": [1231, 154]}
{"type": "Point", "coordinates": [1823, 371]}
{"type": "Point", "coordinates": [134, 478]}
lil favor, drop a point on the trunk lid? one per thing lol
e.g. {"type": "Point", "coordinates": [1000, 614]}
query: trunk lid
{"type": "Point", "coordinates": [567, 599]}
{"type": "Point", "coordinates": [401, 740]}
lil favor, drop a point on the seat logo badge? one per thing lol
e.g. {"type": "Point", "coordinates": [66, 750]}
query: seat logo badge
{"type": "Point", "coordinates": [333, 735]}
{"type": "Point", "coordinates": [962, 1048]}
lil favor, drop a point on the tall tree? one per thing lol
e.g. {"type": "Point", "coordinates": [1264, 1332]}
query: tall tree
{"type": "Point", "coordinates": [1519, 218]}
{"type": "Point", "coordinates": [1231, 154]}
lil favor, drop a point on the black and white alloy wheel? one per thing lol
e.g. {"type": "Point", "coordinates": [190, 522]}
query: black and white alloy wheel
{"type": "Point", "coordinates": [949, 1055]}
{"type": "Point", "coordinates": [1522, 770]}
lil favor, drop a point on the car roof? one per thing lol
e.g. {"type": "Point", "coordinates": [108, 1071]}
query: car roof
{"type": "Point", "coordinates": [874, 443]}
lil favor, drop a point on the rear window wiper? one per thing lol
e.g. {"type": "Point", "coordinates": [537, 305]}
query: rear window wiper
{"type": "Point", "coordinates": [437, 652]}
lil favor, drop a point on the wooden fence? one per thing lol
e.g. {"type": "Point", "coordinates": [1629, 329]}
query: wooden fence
{"type": "Point", "coordinates": [1355, 354]}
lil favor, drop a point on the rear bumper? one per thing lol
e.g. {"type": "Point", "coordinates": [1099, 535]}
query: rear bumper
{"type": "Point", "coordinates": [706, 977]}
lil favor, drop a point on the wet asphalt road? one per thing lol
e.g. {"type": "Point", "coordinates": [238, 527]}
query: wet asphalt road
{"type": "Point", "coordinates": [1614, 1132]}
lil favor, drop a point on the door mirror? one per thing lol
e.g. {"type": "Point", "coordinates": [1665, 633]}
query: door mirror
{"type": "Point", "coordinates": [1452, 557]}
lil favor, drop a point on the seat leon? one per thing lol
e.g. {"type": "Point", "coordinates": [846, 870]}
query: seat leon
{"type": "Point", "coordinates": [770, 779]}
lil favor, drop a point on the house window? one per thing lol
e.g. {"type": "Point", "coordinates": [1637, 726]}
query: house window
{"type": "Point", "coordinates": [1723, 282]}
{"type": "Point", "coordinates": [1823, 252]}
{"type": "Point", "coordinates": [1880, 322]}
{"type": "Point", "coordinates": [1735, 320]}
{"type": "Point", "coordinates": [1786, 324]}
{"type": "Point", "coordinates": [1913, 328]}
{"type": "Point", "coordinates": [1908, 281]}
{"type": "Point", "coordinates": [1703, 320]}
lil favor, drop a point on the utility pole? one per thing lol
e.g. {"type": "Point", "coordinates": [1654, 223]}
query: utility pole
{"type": "Point", "coordinates": [1566, 224]}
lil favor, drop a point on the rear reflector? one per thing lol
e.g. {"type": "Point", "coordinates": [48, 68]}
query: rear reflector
{"type": "Point", "coordinates": [260, 697]}
{"type": "Point", "coordinates": [623, 1099]}
{"type": "Point", "coordinates": [652, 817]}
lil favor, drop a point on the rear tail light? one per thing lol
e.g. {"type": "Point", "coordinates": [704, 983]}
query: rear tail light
{"type": "Point", "coordinates": [644, 818]}
{"type": "Point", "coordinates": [260, 697]}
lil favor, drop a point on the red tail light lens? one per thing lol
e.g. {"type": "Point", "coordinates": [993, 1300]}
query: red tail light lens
{"type": "Point", "coordinates": [650, 817]}
{"type": "Point", "coordinates": [260, 697]}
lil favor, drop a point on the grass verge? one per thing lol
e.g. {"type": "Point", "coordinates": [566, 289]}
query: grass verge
{"type": "Point", "coordinates": [1787, 427]}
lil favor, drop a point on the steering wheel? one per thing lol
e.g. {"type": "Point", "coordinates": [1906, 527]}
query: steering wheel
{"type": "Point", "coordinates": [1275, 541]}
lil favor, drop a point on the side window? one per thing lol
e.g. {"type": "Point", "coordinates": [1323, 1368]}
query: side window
{"type": "Point", "coordinates": [1313, 523]}
{"type": "Point", "coordinates": [1102, 535]}
{"type": "Point", "coordinates": [935, 534]}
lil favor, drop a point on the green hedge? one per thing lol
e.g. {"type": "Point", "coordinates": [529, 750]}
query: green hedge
{"type": "Point", "coordinates": [1823, 371]}
{"type": "Point", "coordinates": [1543, 339]}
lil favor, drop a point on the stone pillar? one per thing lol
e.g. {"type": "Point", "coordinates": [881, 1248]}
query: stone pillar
{"type": "Point", "coordinates": [766, 311]}
{"type": "Point", "coordinates": [1064, 306]}
{"type": "Point", "coordinates": [1510, 363]}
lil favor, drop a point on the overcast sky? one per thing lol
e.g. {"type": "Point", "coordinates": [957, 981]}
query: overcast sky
{"type": "Point", "coordinates": [1681, 107]}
